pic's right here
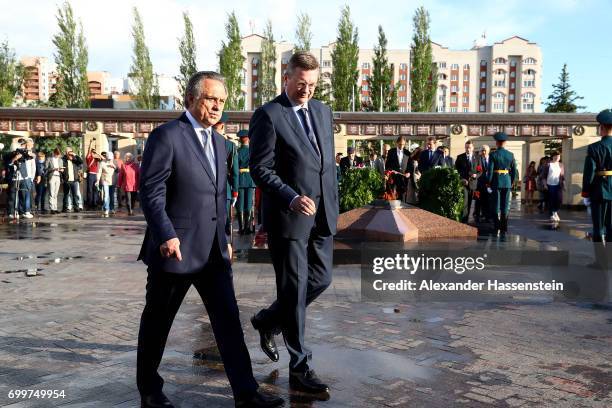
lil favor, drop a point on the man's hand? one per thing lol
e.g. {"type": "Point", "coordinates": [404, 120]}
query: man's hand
{"type": "Point", "coordinates": [234, 200]}
{"type": "Point", "coordinates": [303, 205]}
{"type": "Point", "coordinates": [171, 248]}
{"type": "Point", "coordinates": [407, 175]}
{"type": "Point", "coordinates": [230, 251]}
{"type": "Point", "coordinates": [17, 157]}
{"type": "Point", "coordinates": [38, 178]}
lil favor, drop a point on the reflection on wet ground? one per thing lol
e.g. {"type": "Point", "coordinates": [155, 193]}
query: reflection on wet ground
{"type": "Point", "coordinates": [76, 328]}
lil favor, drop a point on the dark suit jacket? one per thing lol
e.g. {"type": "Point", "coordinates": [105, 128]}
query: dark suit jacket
{"type": "Point", "coordinates": [345, 163]}
{"type": "Point", "coordinates": [379, 166]}
{"type": "Point", "coordinates": [180, 199]}
{"type": "Point", "coordinates": [284, 164]}
{"type": "Point", "coordinates": [426, 164]}
{"type": "Point", "coordinates": [483, 179]}
{"type": "Point", "coordinates": [447, 161]}
{"type": "Point", "coordinates": [466, 170]}
{"type": "Point", "coordinates": [393, 163]}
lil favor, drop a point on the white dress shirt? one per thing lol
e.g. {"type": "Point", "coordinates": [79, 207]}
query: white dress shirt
{"type": "Point", "coordinates": [205, 138]}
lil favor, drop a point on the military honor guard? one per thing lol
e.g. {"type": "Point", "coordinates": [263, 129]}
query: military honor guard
{"type": "Point", "coordinates": [597, 187]}
{"type": "Point", "coordinates": [501, 175]}
{"type": "Point", "coordinates": [246, 187]}
{"type": "Point", "coordinates": [232, 177]}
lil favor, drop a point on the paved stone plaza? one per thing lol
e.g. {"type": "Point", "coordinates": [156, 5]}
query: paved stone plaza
{"type": "Point", "coordinates": [74, 326]}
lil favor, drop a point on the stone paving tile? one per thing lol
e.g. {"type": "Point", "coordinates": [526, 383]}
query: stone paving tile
{"type": "Point", "coordinates": [74, 328]}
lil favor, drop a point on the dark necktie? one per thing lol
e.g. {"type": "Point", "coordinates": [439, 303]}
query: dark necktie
{"type": "Point", "coordinates": [430, 155]}
{"type": "Point", "coordinates": [308, 129]}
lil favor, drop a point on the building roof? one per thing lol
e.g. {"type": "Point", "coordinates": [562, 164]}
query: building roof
{"type": "Point", "coordinates": [513, 37]}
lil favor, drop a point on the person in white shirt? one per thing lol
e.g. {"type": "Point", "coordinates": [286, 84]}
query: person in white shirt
{"type": "Point", "coordinates": [555, 177]}
{"type": "Point", "coordinates": [106, 170]}
{"type": "Point", "coordinates": [55, 167]}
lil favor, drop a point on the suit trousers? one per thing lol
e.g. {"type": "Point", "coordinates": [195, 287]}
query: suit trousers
{"type": "Point", "coordinates": [55, 182]}
{"type": "Point", "coordinates": [165, 293]}
{"type": "Point", "coordinates": [303, 269]}
{"type": "Point", "coordinates": [468, 197]}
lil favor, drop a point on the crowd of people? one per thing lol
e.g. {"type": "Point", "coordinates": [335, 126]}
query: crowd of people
{"type": "Point", "coordinates": [36, 179]}
{"type": "Point", "coordinates": [404, 165]}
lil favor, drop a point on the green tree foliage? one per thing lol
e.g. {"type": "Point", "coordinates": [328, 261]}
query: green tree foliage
{"type": "Point", "coordinates": [344, 59]}
{"type": "Point", "coordinates": [303, 34]}
{"type": "Point", "coordinates": [441, 192]}
{"type": "Point", "coordinates": [266, 87]}
{"type": "Point", "coordinates": [359, 187]}
{"type": "Point", "coordinates": [187, 49]}
{"type": "Point", "coordinates": [230, 64]}
{"type": "Point", "coordinates": [424, 75]}
{"type": "Point", "coordinates": [48, 144]}
{"type": "Point", "coordinates": [71, 57]}
{"type": "Point", "coordinates": [563, 97]}
{"type": "Point", "coordinates": [323, 91]}
{"type": "Point", "coordinates": [383, 93]}
{"type": "Point", "coordinates": [11, 75]}
{"type": "Point", "coordinates": [141, 71]}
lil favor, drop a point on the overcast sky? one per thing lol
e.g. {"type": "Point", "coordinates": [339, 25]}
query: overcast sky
{"type": "Point", "coordinates": [572, 31]}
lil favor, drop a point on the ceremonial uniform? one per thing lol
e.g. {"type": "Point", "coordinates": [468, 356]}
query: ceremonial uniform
{"type": "Point", "coordinates": [231, 159]}
{"type": "Point", "coordinates": [232, 182]}
{"type": "Point", "coordinates": [500, 176]}
{"type": "Point", "coordinates": [246, 188]}
{"type": "Point", "coordinates": [597, 182]}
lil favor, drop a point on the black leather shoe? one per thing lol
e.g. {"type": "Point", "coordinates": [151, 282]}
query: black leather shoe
{"type": "Point", "coordinates": [266, 340]}
{"type": "Point", "coordinates": [157, 400]}
{"type": "Point", "coordinates": [307, 382]}
{"type": "Point", "coordinates": [260, 400]}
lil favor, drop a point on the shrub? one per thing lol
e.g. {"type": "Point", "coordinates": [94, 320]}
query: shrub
{"type": "Point", "coordinates": [358, 187]}
{"type": "Point", "coordinates": [441, 192]}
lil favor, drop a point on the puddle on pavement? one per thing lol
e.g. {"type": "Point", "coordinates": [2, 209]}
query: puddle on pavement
{"type": "Point", "coordinates": [333, 363]}
{"type": "Point", "coordinates": [364, 366]}
{"type": "Point", "coordinates": [577, 233]}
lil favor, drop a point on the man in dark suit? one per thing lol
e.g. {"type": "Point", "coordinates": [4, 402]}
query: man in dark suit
{"type": "Point", "coordinates": [183, 197]}
{"type": "Point", "coordinates": [430, 157]}
{"type": "Point", "coordinates": [469, 168]}
{"type": "Point", "coordinates": [376, 164]}
{"type": "Point", "coordinates": [397, 160]}
{"type": "Point", "coordinates": [483, 203]}
{"type": "Point", "coordinates": [292, 161]}
{"type": "Point", "coordinates": [447, 160]}
{"type": "Point", "coordinates": [351, 160]}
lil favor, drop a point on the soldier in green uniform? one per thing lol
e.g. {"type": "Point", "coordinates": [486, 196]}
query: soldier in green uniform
{"type": "Point", "coordinates": [232, 174]}
{"type": "Point", "coordinates": [246, 187]}
{"type": "Point", "coordinates": [501, 175]}
{"type": "Point", "coordinates": [597, 187]}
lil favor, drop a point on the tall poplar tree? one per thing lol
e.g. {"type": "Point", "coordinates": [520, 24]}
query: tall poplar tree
{"type": "Point", "coordinates": [344, 59]}
{"type": "Point", "coordinates": [187, 49]}
{"type": "Point", "coordinates": [141, 71]}
{"type": "Point", "coordinates": [383, 93]}
{"type": "Point", "coordinates": [303, 33]}
{"type": "Point", "coordinates": [266, 89]}
{"type": "Point", "coordinates": [424, 75]}
{"type": "Point", "coordinates": [231, 61]}
{"type": "Point", "coordinates": [11, 75]}
{"type": "Point", "coordinates": [71, 58]}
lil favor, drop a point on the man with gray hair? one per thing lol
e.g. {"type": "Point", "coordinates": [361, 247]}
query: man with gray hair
{"type": "Point", "coordinates": [292, 161]}
{"type": "Point", "coordinates": [185, 242]}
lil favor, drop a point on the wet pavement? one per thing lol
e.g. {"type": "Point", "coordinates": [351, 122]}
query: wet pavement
{"type": "Point", "coordinates": [72, 293]}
